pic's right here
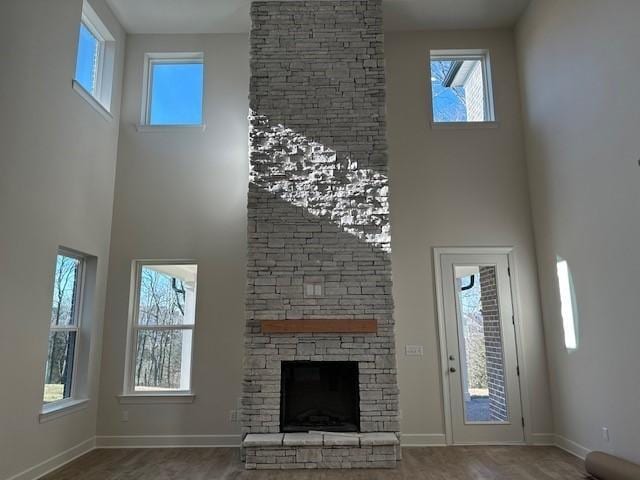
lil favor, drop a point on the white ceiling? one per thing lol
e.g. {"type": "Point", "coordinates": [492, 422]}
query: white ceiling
{"type": "Point", "coordinates": [232, 16]}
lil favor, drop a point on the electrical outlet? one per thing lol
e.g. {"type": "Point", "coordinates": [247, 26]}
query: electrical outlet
{"type": "Point", "coordinates": [125, 416]}
{"type": "Point", "coordinates": [605, 434]}
{"type": "Point", "coordinates": [233, 416]}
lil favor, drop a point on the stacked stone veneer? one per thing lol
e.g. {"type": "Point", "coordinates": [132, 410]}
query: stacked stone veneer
{"type": "Point", "coordinates": [318, 204]}
{"type": "Point", "coordinates": [493, 344]}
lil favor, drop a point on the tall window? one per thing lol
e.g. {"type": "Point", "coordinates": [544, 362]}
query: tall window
{"type": "Point", "coordinates": [461, 87]}
{"type": "Point", "coordinates": [64, 328]}
{"type": "Point", "coordinates": [174, 89]}
{"type": "Point", "coordinates": [162, 327]}
{"type": "Point", "coordinates": [95, 58]}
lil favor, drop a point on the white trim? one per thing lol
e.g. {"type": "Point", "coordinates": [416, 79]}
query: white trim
{"type": "Point", "coordinates": [51, 411]}
{"type": "Point", "coordinates": [147, 82]}
{"type": "Point", "coordinates": [513, 281]}
{"type": "Point", "coordinates": [100, 98]}
{"type": "Point", "coordinates": [484, 56]}
{"type": "Point", "coordinates": [170, 128]}
{"type": "Point", "coordinates": [168, 441]}
{"type": "Point", "coordinates": [161, 398]}
{"type": "Point", "coordinates": [423, 440]}
{"type": "Point", "coordinates": [57, 461]}
{"type": "Point", "coordinates": [571, 447]}
{"type": "Point", "coordinates": [91, 100]}
{"type": "Point", "coordinates": [464, 125]}
{"type": "Point", "coordinates": [542, 439]}
{"type": "Point", "coordinates": [132, 329]}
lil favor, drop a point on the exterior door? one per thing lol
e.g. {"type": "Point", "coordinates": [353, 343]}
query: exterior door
{"type": "Point", "coordinates": [481, 352]}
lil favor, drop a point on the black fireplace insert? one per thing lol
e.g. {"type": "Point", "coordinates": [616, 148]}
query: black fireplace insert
{"type": "Point", "coordinates": [320, 396]}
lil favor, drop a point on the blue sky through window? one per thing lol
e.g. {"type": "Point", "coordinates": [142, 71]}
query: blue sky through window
{"type": "Point", "coordinates": [448, 102]}
{"type": "Point", "coordinates": [87, 60]}
{"type": "Point", "coordinates": [176, 93]}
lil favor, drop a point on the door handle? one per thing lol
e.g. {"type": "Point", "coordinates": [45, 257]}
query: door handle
{"type": "Point", "coordinates": [452, 369]}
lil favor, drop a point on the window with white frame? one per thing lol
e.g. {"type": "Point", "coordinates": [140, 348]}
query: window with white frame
{"type": "Point", "coordinates": [173, 89]}
{"type": "Point", "coordinates": [64, 330]}
{"type": "Point", "coordinates": [461, 86]}
{"type": "Point", "coordinates": [95, 58]}
{"type": "Point", "coordinates": [161, 333]}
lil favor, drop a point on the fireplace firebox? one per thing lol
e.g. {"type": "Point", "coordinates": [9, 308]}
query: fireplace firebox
{"type": "Point", "coordinates": [319, 396]}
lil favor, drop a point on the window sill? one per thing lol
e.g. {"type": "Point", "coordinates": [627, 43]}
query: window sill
{"type": "Point", "coordinates": [55, 410]}
{"type": "Point", "coordinates": [169, 128]}
{"type": "Point", "coordinates": [158, 398]}
{"type": "Point", "coordinates": [95, 104]}
{"type": "Point", "coordinates": [463, 125]}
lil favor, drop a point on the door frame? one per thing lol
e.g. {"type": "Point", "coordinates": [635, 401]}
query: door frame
{"type": "Point", "coordinates": [438, 252]}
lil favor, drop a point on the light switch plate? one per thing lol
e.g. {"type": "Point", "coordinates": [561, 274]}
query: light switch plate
{"type": "Point", "coordinates": [414, 350]}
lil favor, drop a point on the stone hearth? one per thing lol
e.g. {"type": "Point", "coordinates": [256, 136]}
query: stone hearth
{"type": "Point", "coordinates": [318, 227]}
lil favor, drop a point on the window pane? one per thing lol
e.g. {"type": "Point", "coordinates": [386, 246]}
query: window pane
{"type": "Point", "coordinates": [167, 295]}
{"type": "Point", "coordinates": [176, 94]}
{"type": "Point", "coordinates": [483, 375]}
{"type": "Point", "coordinates": [59, 367]}
{"type": "Point", "coordinates": [458, 90]}
{"type": "Point", "coordinates": [87, 60]}
{"type": "Point", "coordinates": [163, 360]}
{"type": "Point", "coordinates": [64, 291]}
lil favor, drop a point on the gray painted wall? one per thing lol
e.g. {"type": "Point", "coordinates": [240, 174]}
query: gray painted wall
{"type": "Point", "coordinates": [580, 63]}
{"type": "Point", "coordinates": [455, 187]}
{"type": "Point", "coordinates": [183, 195]}
{"type": "Point", "coordinates": [56, 188]}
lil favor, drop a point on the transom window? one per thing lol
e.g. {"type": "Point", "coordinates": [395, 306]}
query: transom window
{"type": "Point", "coordinates": [95, 58]}
{"type": "Point", "coordinates": [64, 327]}
{"type": "Point", "coordinates": [461, 86]}
{"type": "Point", "coordinates": [162, 327]}
{"type": "Point", "coordinates": [174, 89]}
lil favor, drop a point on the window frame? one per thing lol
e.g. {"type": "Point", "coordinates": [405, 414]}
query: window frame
{"type": "Point", "coordinates": [482, 55]}
{"type": "Point", "coordinates": [100, 97]}
{"type": "Point", "coordinates": [151, 59]}
{"type": "Point", "coordinates": [78, 308]}
{"type": "Point", "coordinates": [132, 334]}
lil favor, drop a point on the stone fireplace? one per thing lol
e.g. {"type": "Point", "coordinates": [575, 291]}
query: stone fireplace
{"type": "Point", "coordinates": [320, 387]}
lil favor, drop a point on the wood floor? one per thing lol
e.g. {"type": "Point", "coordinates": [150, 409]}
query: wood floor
{"type": "Point", "coordinates": [451, 463]}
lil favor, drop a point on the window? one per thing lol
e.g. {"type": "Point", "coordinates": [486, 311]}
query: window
{"type": "Point", "coordinates": [174, 89]}
{"type": "Point", "coordinates": [162, 328]}
{"type": "Point", "coordinates": [95, 59]}
{"type": "Point", "coordinates": [567, 304]}
{"type": "Point", "coordinates": [461, 87]}
{"type": "Point", "coordinates": [65, 327]}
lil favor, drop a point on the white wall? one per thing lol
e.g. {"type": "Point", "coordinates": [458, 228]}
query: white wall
{"type": "Point", "coordinates": [580, 65]}
{"type": "Point", "coordinates": [183, 195]}
{"type": "Point", "coordinates": [455, 187]}
{"type": "Point", "coordinates": [57, 170]}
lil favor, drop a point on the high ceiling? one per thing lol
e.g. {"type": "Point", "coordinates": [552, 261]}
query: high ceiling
{"type": "Point", "coordinates": [232, 16]}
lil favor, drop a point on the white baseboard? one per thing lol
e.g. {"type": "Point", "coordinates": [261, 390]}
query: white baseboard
{"type": "Point", "coordinates": [56, 461]}
{"type": "Point", "coordinates": [542, 439]}
{"type": "Point", "coordinates": [572, 447]}
{"type": "Point", "coordinates": [166, 441]}
{"type": "Point", "coordinates": [423, 440]}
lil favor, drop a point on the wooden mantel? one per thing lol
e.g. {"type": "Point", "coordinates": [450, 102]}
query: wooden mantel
{"type": "Point", "coordinates": [347, 325]}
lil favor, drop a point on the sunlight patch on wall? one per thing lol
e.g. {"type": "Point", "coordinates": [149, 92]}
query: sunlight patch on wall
{"type": "Point", "coordinates": [567, 304]}
{"type": "Point", "coordinates": [310, 175]}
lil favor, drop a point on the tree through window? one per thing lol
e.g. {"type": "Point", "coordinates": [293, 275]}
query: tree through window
{"type": "Point", "coordinates": [163, 327]}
